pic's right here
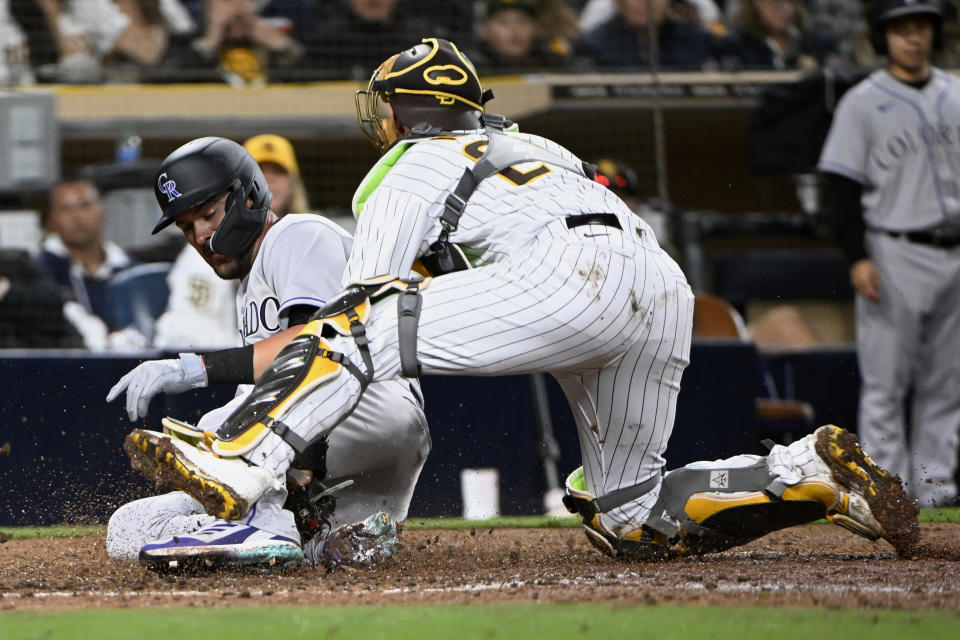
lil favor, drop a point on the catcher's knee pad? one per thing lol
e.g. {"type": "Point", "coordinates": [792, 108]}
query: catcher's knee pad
{"type": "Point", "coordinates": [709, 510]}
{"type": "Point", "coordinates": [639, 542]}
{"type": "Point", "coordinates": [308, 361]}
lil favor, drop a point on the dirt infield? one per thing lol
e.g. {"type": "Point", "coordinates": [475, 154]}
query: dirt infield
{"type": "Point", "coordinates": [818, 565]}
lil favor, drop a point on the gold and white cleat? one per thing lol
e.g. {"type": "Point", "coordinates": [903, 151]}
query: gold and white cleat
{"type": "Point", "coordinates": [226, 487]}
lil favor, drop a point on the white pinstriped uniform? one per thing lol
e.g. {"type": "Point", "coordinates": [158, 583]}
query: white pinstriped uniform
{"type": "Point", "coordinates": [606, 311]}
{"type": "Point", "coordinates": [382, 446]}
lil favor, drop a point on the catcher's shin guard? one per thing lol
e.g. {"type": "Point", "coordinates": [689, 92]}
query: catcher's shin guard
{"type": "Point", "coordinates": [639, 542]}
{"type": "Point", "coordinates": [309, 361]}
{"type": "Point", "coordinates": [709, 510]}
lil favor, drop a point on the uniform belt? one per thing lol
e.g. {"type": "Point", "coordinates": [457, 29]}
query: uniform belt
{"type": "Point", "coordinates": [606, 219]}
{"type": "Point", "coordinates": [926, 237]}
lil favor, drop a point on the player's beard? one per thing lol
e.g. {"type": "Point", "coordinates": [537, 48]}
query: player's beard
{"type": "Point", "coordinates": [236, 268]}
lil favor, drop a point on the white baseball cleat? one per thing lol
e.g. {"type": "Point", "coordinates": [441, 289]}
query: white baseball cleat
{"type": "Point", "coordinates": [226, 487]}
{"type": "Point", "coordinates": [223, 545]}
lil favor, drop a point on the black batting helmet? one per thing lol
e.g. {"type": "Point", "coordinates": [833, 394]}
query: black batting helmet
{"type": "Point", "coordinates": [884, 11]}
{"type": "Point", "coordinates": [201, 170]}
{"type": "Point", "coordinates": [432, 83]}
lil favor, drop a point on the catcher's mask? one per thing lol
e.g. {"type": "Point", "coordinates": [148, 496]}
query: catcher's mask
{"type": "Point", "coordinates": [201, 170]}
{"type": "Point", "coordinates": [431, 83]}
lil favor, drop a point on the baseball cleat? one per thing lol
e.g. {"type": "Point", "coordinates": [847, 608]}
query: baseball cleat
{"type": "Point", "coordinates": [226, 487]}
{"type": "Point", "coordinates": [222, 545]}
{"type": "Point", "coordinates": [362, 543]}
{"type": "Point", "coordinates": [877, 506]}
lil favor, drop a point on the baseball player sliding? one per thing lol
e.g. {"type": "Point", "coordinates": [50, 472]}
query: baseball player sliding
{"type": "Point", "coordinates": [216, 194]}
{"type": "Point", "coordinates": [536, 268]}
{"type": "Point", "coordinates": [892, 159]}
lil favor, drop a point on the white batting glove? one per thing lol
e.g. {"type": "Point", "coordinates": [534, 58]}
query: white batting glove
{"type": "Point", "coordinates": [158, 376]}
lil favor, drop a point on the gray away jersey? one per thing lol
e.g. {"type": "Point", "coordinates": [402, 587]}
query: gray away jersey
{"type": "Point", "coordinates": [903, 146]}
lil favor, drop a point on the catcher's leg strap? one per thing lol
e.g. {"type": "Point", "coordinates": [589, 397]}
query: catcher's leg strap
{"type": "Point", "coordinates": [635, 542]}
{"type": "Point", "coordinates": [668, 515]}
{"type": "Point", "coordinates": [409, 303]}
{"type": "Point", "coordinates": [578, 500]}
{"type": "Point", "coordinates": [305, 363]}
{"type": "Point", "coordinates": [708, 510]}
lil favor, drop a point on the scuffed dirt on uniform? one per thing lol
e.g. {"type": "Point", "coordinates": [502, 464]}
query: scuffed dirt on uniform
{"type": "Point", "coordinates": [594, 277]}
{"type": "Point", "coordinates": [812, 565]}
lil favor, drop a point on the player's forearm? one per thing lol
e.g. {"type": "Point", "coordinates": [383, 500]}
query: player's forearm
{"type": "Point", "coordinates": [266, 350]}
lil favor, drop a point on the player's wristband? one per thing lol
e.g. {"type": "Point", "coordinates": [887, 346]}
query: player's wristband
{"type": "Point", "coordinates": [234, 366]}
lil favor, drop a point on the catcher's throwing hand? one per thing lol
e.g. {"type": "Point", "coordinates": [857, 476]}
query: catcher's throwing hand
{"type": "Point", "coordinates": [158, 376]}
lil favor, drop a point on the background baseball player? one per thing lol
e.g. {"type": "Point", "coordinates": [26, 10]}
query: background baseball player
{"type": "Point", "coordinates": [566, 279]}
{"type": "Point", "coordinates": [286, 268]}
{"type": "Point", "coordinates": [892, 158]}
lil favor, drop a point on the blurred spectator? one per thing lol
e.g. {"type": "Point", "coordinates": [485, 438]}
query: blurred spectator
{"type": "Point", "coordinates": [774, 34]}
{"type": "Point", "coordinates": [14, 50]}
{"type": "Point", "coordinates": [144, 43]}
{"type": "Point", "coordinates": [621, 42]}
{"type": "Point", "coordinates": [357, 35]}
{"type": "Point", "coordinates": [77, 258]}
{"type": "Point", "coordinates": [97, 40]}
{"type": "Point", "coordinates": [514, 36]}
{"type": "Point", "coordinates": [705, 12]}
{"type": "Point", "coordinates": [238, 46]}
{"type": "Point", "coordinates": [841, 21]}
{"type": "Point", "coordinates": [31, 307]}
{"type": "Point", "coordinates": [200, 303]}
{"type": "Point", "coordinates": [278, 162]}
{"type": "Point", "coordinates": [949, 56]}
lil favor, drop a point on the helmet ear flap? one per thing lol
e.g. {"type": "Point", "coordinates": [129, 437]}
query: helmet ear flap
{"type": "Point", "coordinates": [241, 225]}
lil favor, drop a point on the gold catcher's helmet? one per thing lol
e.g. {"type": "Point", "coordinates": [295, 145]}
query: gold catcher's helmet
{"type": "Point", "coordinates": [432, 83]}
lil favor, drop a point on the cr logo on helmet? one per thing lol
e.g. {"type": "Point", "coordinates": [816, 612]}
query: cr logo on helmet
{"type": "Point", "coordinates": [168, 187]}
{"type": "Point", "coordinates": [445, 74]}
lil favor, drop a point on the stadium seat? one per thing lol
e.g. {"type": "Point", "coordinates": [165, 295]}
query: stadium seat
{"type": "Point", "coordinates": [781, 419]}
{"type": "Point", "coordinates": [139, 295]}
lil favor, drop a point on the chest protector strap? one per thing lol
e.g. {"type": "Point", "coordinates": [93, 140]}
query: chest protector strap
{"type": "Point", "coordinates": [502, 152]}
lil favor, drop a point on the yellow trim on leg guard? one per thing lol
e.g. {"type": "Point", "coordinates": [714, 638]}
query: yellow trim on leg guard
{"type": "Point", "coordinates": [322, 369]}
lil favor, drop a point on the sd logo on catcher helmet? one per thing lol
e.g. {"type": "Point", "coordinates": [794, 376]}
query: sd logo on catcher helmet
{"type": "Point", "coordinates": [432, 82]}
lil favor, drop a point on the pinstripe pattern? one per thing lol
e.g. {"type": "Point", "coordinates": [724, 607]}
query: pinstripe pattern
{"type": "Point", "coordinates": [606, 311]}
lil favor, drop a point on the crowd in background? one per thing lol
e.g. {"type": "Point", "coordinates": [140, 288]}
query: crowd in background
{"type": "Point", "coordinates": [258, 41]}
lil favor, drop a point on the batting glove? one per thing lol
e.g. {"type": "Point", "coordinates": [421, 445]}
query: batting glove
{"type": "Point", "coordinates": [158, 376]}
